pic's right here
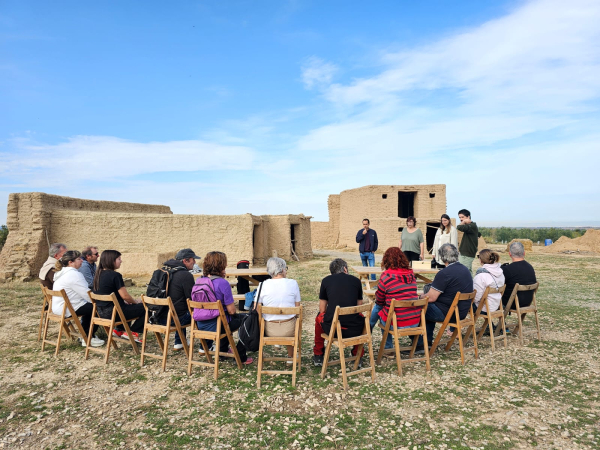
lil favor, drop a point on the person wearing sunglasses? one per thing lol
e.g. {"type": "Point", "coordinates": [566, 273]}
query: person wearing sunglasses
{"type": "Point", "coordinates": [89, 256]}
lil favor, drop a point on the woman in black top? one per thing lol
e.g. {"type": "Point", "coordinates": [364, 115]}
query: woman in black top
{"type": "Point", "coordinates": [107, 281]}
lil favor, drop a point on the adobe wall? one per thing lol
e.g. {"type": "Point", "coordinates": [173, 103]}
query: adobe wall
{"type": "Point", "coordinates": [368, 202]}
{"type": "Point", "coordinates": [146, 235]}
{"type": "Point", "coordinates": [321, 234]}
{"type": "Point", "coordinates": [155, 233]}
{"type": "Point", "coordinates": [29, 220]}
{"type": "Point", "coordinates": [279, 236]}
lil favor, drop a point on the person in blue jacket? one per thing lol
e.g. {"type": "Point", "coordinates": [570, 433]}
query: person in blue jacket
{"type": "Point", "coordinates": [367, 240]}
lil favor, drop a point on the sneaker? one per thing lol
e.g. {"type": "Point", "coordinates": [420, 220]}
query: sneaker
{"type": "Point", "coordinates": [178, 347]}
{"type": "Point", "coordinates": [360, 364]}
{"type": "Point", "coordinates": [418, 351]}
{"type": "Point", "coordinates": [134, 335]}
{"type": "Point", "coordinates": [95, 342]}
{"type": "Point", "coordinates": [248, 361]}
{"type": "Point", "coordinates": [211, 349]}
{"type": "Point", "coordinates": [318, 360]}
{"type": "Point", "coordinates": [118, 334]}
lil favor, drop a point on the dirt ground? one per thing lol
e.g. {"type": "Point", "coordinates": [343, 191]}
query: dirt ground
{"type": "Point", "coordinates": [542, 395]}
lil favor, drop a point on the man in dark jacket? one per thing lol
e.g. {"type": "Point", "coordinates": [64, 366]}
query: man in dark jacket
{"type": "Point", "coordinates": [180, 289]}
{"type": "Point", "coordinates": [367, 245]}
{"type": "Point", "coordinates": [470, 239]}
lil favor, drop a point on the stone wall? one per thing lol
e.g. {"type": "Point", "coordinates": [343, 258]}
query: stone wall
{"type": "Point", "coordinates": [321, 234]}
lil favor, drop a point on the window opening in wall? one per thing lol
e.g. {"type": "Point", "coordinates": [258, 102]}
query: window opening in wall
{"type": "Point", "coordinates": [431, 194]}
{"type": "Point", "coordinates": [432, 228]}
{"type": "Point", "coordinates": [400, 229]}
{"type": "Point", "coordinates": [383, 195]}
{"type": "Point", "coordinates": [406, 204]}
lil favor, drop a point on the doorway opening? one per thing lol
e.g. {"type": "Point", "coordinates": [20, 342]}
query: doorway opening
{"type": "Point", "coordinates": [406, 204]}
{"type": "Point", "coordinates": [432, 228]}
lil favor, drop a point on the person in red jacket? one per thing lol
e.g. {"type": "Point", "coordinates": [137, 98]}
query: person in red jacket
{"type": "Point", "coordinates": [396, 282]}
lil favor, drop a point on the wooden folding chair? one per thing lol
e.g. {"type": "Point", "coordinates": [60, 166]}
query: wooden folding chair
{"type": "Point", "coordinates": [488, 317]}
{"type": "Point", "coordinates": [421, 330]}
{"type": "Point", "coordinates": [117, 318]}
{"type": "Point", "coordinates": [458, 325]}
{"type": "Point", "coordinates": [71, 326]}
{"type": "Point", "coordinates": [295, 341]}
{"type": "Point", "coordinates": [215, 336]}
{"type": "Point", "coordinates": [158, 330]}
{"type": "Point", "coordinates": [335, 337]}
{"type": "Point", "coordinates": [45, 307]}
{"type": "Point", "coordinates": [522, 312]}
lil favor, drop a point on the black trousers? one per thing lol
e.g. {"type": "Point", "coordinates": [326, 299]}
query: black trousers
{"type": "Point", "coordinates": [130, 311]}
{"type": "Point", "coordinates": [411, 256]}
{"type": "Point", "coordinates": [86, 312]}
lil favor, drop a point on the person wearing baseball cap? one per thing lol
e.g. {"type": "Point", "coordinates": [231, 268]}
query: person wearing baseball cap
{"type": "Point", "coordinates": [180, 289]}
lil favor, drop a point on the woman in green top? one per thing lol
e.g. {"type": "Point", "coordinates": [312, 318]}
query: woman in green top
{"type": "Point", "coordinates": [411, 241]}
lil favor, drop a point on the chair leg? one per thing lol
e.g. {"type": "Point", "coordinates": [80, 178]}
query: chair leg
{"type": "Point", "coordinates": [326, 358]}
{"type": "Point", "coordinates": [260, 364]}
{"type": "Point", "coordinates": [191, 354]}
{"type": "Point", "coordinates": [426, 348]}
{"type": "Point", "coordinates": [453, 338]}
{"type": "Point", "coordinates": [475, 344]}
{"type": "Point", "coordinates": [537, 324]}
{"type": "Point", "coordinates": [45, 335]}
{"type": "Point", "coordinates": [166, 350]}
{"type": "Point", "coordinates": [358, 353]}
{"type": "Point", "coordinates": [294, 360]}
{"type": "Point", "coordinates": [460, 343]}
{"type": "Point", "coordinates": [504, 331]}
{"type": "Point", "coordinates": [343, 364]}
{"type": "Point", "coordinates": [144, 337]}
{"type": "Point", "coordinates": [382, 347]}
{"type": "Point", "coordinates": [42, 316]}
{"type": "Point", "coordinates": [520, 325]}
{"type": "Point", "coordinates": [371, 358]}
{"type": "Point", "coordinates": [60, 330]}
{"type": "Point", "coordinates": [217, 353]}
{"type": "Point", "coordinates": [398, 355]}
{"type": "Point", "coordinates": [488, 324]}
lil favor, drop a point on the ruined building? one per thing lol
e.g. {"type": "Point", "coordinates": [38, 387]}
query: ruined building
{"type": "Point", "coordinates": [387, 207]}
{"type": "Point", "coordinates": [147, 235]}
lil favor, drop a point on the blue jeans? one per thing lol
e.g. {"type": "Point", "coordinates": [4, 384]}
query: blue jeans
{"type": "Point", "coordinates": [184, 319]}
{"type": "Point", "coordinates": [432, 316]}
{"type": "Point", "coordinates": [368, 259]}
{"type": "Point", "coordinates": [389, 342]}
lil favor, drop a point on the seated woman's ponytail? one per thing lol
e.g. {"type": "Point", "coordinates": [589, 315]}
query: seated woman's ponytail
{"type": "Point", "coordinates": [64, 261]}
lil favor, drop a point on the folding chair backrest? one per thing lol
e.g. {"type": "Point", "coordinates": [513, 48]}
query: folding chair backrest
{"type": "Point", "coordinates": [353, 309]}
{"type": "Point", "coordinates": [527, 287]}
{"type": "Point", "coordinates": [206, 305]}
{"type": "Point", "coordinates": [66, 305]}
{"type": "Point", "coordinates": [279, 311]}
{"type": "Point", "coordinates": [103, 298]}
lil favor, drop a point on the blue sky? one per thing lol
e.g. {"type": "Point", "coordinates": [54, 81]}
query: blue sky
{"type": "Point", "coordinates": [268, 107]}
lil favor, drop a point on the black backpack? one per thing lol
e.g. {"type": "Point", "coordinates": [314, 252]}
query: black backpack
{"type": "Point", "coordinates": [158, 287]}
{"type": "Point", "coordinates": [249, 331]}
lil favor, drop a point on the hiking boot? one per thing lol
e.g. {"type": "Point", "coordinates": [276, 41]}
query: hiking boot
{"type": "Point", "coordinates": [318, 360]}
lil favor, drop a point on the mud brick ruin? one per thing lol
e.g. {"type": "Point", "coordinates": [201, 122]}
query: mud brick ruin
{"type": "Point", "coordinates": [387, 207]}
{"type": "Point", "coordinates": [147, 235]}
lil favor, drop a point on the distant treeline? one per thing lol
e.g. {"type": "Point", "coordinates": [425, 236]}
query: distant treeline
{"type": "Point", "coordinates": [506, 234]}
{"type": "Point", "coordinates": [3, 235]}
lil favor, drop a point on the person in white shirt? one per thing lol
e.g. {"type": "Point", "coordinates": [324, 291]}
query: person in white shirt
{"type": "Point", "coordinates": [446, 234]}
{"type": "Point", "coordinates": [281, 292]}
{"type": "Point", "coordinates": [68, 277]}
{"type": "Point", "coordinates": [489, 274]}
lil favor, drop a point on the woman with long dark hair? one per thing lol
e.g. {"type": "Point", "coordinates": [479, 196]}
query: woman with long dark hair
{"type": "Point", "coordinates": [107, 281]}
{"type": "Point", "coordinates": [396, 282]}
{"type": "Point", "coordinates": [446, 234]}
{"type": "Point", "coordinates": [68, 277]}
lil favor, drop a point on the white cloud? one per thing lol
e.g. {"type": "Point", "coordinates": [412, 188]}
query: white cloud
{"type": "Point", "coordinates": [111, 157]}
{"type": "Point", "coordinates": [317, 72]}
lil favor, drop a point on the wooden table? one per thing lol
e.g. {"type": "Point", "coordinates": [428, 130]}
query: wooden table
{"type": "Point", "coordinates": [247, 274]}
{"type": "Point", "coordinates": [364, 272]}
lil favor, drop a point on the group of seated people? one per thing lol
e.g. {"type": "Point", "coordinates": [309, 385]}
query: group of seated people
{"type": "Point", "coordinates": [76, 273]}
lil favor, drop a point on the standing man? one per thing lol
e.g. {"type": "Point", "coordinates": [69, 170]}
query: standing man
{"type": "Point", "coordinates": [56, 252]}
{"type": "Point", "coordinates": [338, 289]}
{"type": "Point", "coordinates": [88, 266]}
{"type": "Point", "coordinates": [367, 245]}
{"type": "Point", "coordinates": [470, 240]}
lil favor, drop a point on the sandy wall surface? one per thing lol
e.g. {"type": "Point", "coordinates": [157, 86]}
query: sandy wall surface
{"type": "Point", "coordinates": [29, 220]}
